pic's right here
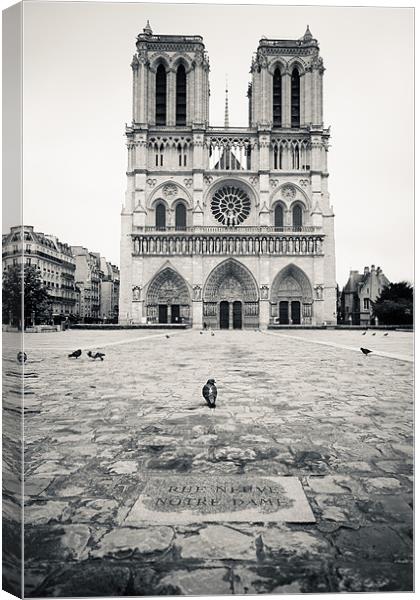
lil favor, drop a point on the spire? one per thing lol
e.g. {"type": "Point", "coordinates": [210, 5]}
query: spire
{"type": "Point", "coordinates": [308, 35]}
{"type": "Point", "coordinates": [148, 30]}
{"type": "Point", "coordinates": [227, 105]}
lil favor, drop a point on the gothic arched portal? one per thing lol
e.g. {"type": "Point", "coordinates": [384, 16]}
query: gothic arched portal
{"type": "Point", "coordinates": [291, 297]}
{"type": "Point", "coordinates": [230, 297]}
{"type": "Point", "coordinates": [168, 299]}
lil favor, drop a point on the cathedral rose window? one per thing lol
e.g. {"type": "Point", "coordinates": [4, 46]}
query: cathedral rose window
{"type": "Point", "coordinates": [230, 205]}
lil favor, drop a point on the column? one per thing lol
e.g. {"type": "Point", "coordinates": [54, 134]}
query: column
{"type": "Point", "coordinates": [197, 314]}
{"type": "Point", "coordinates": [135, 67]}
{"type": "Point", "coordinates": [141, 115]}
{"type": "Point", "coordinates": [190, 96]}
{"type": "Point", "coordinates": [302, 99]}
{"type": "Point", "coordinates": [320, 96]}
{"type": "Point", "coordinates": [307, 103]}
{"type": "Point", "coordinates": [151, 97]}
{"type": "Point", "coordinates": [289, 312]}
{"type": "Point", "coordinates": [169, 313]}
{"type": "Point", "coordinates": [230, 315]}
{"type": "Point", "coordinates": [198, 99]}
{"type": "Point", "coordinates": [265, 96]}
{"type": "Point", "coordinates": [264, 314]}
{"type": "Point", "coordinates": [171, 98]}
{"type": "Point", "coordinates": [256, 95]}
{"type": "Point", "coordinates": [286, 90]}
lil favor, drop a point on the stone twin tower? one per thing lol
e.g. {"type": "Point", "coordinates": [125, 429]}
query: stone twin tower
{"type": "Point", "coordinates": [231, 227]}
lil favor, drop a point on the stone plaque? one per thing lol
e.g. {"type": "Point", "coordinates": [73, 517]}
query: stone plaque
{"type": "Point", "coordinates": [180, 499]}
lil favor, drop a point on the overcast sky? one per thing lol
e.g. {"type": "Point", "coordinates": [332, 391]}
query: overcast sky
{"type": "Point", "coordinates": [77, 98]}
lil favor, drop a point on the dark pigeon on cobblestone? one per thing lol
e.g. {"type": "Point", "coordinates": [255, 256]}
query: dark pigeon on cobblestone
{"type": "Point", "coordinates": [21, 357]}
{"type": "Point", "coordinates": [374, 333]}
{"type": "Point", "coordinates": [96, 355]}
{"type": "Point", "coordinates": [210, 393]}
{"type": "Point", "coordinates": [212, 332]}
{"type": "Point", "coordinates": [364, 333]}
{"type": "Point", "coordinates": [385, 334]}
{"type": "Point", "coordinates": [75, 354]}
{"type": "Point", "coordinates": [365, 351]}
{"type": "Point", "coordinates": [167, 336]}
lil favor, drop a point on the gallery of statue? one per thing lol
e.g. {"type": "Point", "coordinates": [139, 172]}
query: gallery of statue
{"type": "Point", "coordinates": [230, 227]}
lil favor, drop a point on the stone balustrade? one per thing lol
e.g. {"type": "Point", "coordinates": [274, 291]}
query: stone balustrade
{"type": "Point", "coordinates": [188, 244]}
{"type": "Point", "coordinates": [225, 230]}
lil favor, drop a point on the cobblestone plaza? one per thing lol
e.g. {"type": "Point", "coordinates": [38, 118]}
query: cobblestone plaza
{"type": "Point", "coordinates": [305, 404]}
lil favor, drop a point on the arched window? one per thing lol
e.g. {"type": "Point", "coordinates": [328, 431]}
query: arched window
{"type": "Point", "coordinates": [295, 98]}
{"type": "Point", "coordinates": [295, 156]}
{"type": "Point", "coordinates": [182, 155]}
{"type": "Point", "coordinates": [180, 216]}
{"type": "Point", "coordinates": [160, 95]}
{"type": "Point", "coordinates": [160, 216]}
{"type": "Point", "coordinates": [181, 96]}
{"type": "Point", "coordinates": [278, 216]}
{"type": "Point", "coordinates": [297, 217]}
{"type": "Point", "coordinates": [277, 98]}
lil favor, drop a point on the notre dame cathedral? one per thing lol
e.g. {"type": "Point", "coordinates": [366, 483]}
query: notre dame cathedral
{"type": "Point", "coordinates": [228, 227]}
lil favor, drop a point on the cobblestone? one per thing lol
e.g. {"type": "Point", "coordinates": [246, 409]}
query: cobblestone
{"type": "Point", "coordinates": [287, 405]}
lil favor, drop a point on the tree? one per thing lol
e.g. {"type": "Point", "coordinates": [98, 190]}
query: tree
{"type": "Point", "coordinates": [37, 303]}
{"type": "Point", "coordinates": [395, 304]}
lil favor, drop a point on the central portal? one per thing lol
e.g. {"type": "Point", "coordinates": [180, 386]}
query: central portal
{"type": "Point", "coordinates": [230, 297]}
{"type": "Point", "coordinates": [230, 315]}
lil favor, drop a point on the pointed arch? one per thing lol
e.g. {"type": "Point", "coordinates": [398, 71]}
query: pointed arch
{"type": "Point", "coordinates": [160, 216]}
{"type": "Point", "coordinates": [180, 215]}
{"type": "Point", "coordinates": [277, 63]}
{"type": "Point", "coordinates": [291, 281]}
{"type": "Point", "coordinates": [168, 298]}
{"type": "Point", "coordinates": [167, 284]}
{"type": "Point", "coordinates": [230, 269]}
{"type": "Point", "coordinates": [291, 297]}
{"type": "Point", "coordinates": [231, 297]}
{"type": "Point", "coordinates": [297, 216]}
{"type": "Point", "coordinates": [181, 59]}
{"type": "Point", "coordinates": [279, 215]}
{"type": "Point", "coordinates": [160, 58]}
{"type": "Point", "coordinates": [159, 192]}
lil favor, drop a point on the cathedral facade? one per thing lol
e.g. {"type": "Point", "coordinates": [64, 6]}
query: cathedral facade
{"type": "Point", "coordinates": [228, 227]}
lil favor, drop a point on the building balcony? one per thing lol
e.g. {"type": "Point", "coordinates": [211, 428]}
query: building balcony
{"type": "Point", "coordinates": [228, 243]}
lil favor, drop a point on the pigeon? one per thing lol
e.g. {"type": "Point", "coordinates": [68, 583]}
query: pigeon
{"type": "Point", "coordinates": [365, 351]}
{"type": "Point", "coordinates": [21, 357]}
{"type": "Point", "coordinates": [364, 333]}
{"type": "Point", "coordinates": [75, 354]}
{"type": "Point", "coordinates": [374, 333]}
{"type": "Point", "coordinates": [96, 355]}
{"type": "Point", "coordinates": [385, 334]}
{"type": "Point", "coordinates": [212, 333]}
{"type": "Point", "coordinates": [210, 393]}
{"type": "Point", "coordinates": [167, 336]}
{"type": "Point", "coordinates": [201, 333]}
